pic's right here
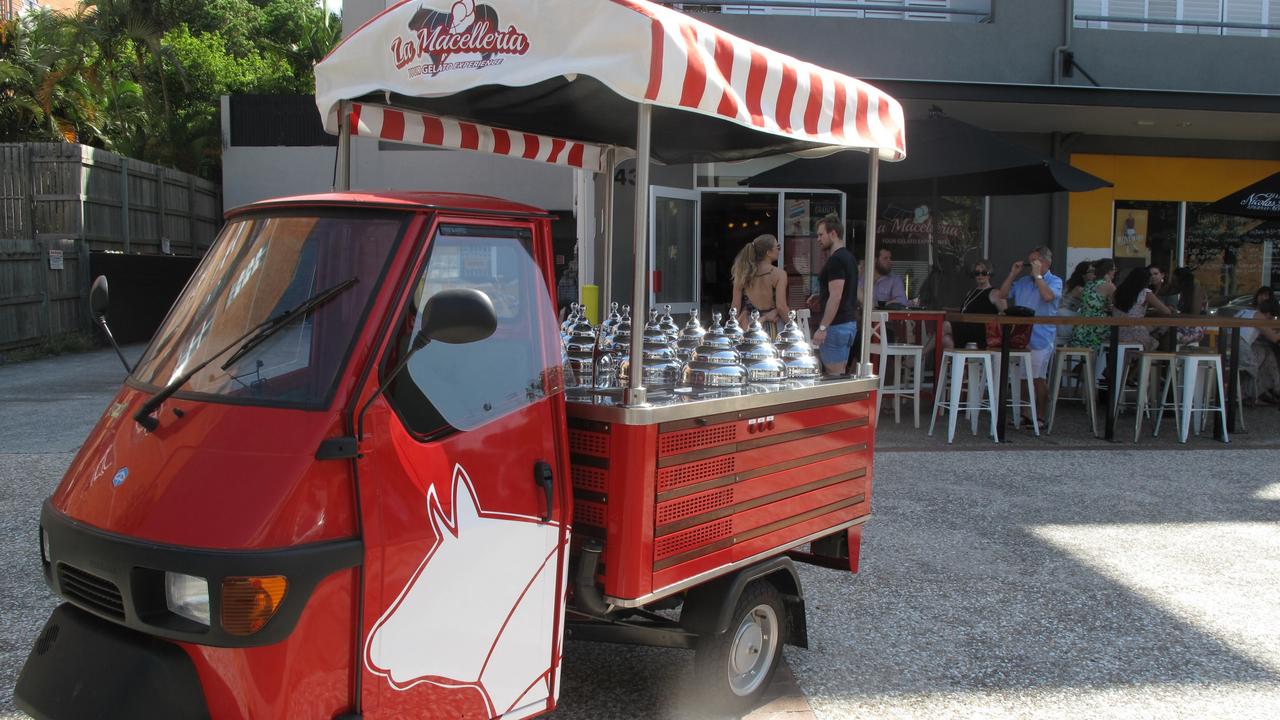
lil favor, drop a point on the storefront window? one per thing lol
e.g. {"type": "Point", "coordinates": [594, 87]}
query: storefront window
{"type": "Point", "coordinates": [1231, 255]}
{"type": "Point", "coordinates": [933, 241]}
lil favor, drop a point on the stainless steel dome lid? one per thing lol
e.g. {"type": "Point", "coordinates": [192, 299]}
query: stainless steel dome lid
{"type": "Point", "coordinates": [668, 324]}
{"type": "Point", "coordinates": [715, 337]}
{"type": "Point", "coordinates": [655, 370]}
{"type": "Point", "coordinates": [732, 328]}
{"type": "Point", "coordinates": [702, 374]}
{"type": "Point", "coordinates": [755, 333]}
{"type": "Point", "coordinates": [612, 321]}
{"type": "Point", "coordinates": [765, 369]}
{"type": "Point", "coordinates": [791, 331]}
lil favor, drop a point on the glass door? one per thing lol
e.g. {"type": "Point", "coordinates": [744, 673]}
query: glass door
{"type": "Point", "coordinates": [675, 248]}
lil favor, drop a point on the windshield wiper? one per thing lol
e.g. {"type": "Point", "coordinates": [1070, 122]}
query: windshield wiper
{"type": "Point", "coordinates": [251, 339]}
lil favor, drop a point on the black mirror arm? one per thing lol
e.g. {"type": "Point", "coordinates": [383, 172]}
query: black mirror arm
{"type": "Point", "coordinates": [420, 341]}
{"type": "Point", "coordinates": [101, 320]}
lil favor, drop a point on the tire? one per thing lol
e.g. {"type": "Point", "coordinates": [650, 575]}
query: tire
{"type": "Point", "coordinates": [733, 669]}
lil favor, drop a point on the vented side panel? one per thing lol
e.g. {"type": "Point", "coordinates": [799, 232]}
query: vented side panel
{"type": "Point", "coordinates": [590, 513]}
{"type": "Point", "coordinates": [694, 505]}
{"type": "Point", "coordinates": [692, 538]}
{"type": "Point", "coordinates": [588, 478]}
{"type": "Point", "coordinates": [585, 442]}
{"type": "Point", "coordinates": [670, 478]}
{"type": "Point", "coordinates": [689, 440]}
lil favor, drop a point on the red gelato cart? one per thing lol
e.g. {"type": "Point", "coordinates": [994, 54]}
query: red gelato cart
{"type": "Point", "coordinates": [350, 476]}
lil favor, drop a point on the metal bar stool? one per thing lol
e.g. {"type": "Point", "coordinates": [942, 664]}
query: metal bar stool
{"type": "Point", "coordinates": [1149, 362]}
{"type": "Point", "coordinates": [1122, 369]}
{"type": "Point", "coordinates": [1190, 365]}
{"type": "Point", "coordinates": [951, 379]}
{"type": "Point", "coordinates": [1079, 356]}
{"type": "Point", "coordinates": [1020, 360]}
{"type": "Point", "coordinates": [887, 350]}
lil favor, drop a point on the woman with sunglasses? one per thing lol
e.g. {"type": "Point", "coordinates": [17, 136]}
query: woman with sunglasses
{"type": "Point", "coordinates": [758, 284]}
{"type": "Point", "coordinates": [980, 300]}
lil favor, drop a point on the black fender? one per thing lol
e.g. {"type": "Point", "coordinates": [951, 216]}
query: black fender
{"type": "Point", "coordinates": [708, 608]}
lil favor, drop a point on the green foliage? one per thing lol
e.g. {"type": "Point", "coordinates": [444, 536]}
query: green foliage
{"type": "Point", "coordinates": [144, 77]}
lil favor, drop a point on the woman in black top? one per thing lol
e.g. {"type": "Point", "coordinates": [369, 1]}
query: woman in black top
{"type": "Point", "coordinates": [977, 301]}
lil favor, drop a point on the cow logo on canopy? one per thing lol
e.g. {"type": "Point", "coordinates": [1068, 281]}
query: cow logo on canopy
{"type": "Point", "coordinates": [467, 28]}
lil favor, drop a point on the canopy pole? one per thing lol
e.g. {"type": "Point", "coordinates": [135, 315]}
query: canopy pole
{"type": "Point", "coordinates": [640, 255]}
{"type": "Point", "coordinates": [868, 261]}
{"type": "Point", "coordinates": [342, 174]}
{"type": "Point", "coordinates": [606, 283]}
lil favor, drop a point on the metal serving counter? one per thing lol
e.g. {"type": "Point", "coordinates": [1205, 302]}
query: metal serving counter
{"type": "Point", "coordinates": [686, 403]}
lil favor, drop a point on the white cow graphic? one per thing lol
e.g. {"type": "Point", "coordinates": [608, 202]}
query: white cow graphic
{"type": "Point", "coordinates": [478, 610]}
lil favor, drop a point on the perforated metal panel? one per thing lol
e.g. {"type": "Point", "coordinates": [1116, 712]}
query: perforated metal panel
{"type": "Point", "coordinates": [687, 440]}
{"type": "Point", "coordinates": [590, 513]}
{"type": "Point", "coordinates": [670, 478]}
{"type": "Point", "coordinates": [694, 505]}
{"type": "Point", "coordinates": [693, 538]}
{"type": "Point", "coordinates": [585, 442]}
{"type": "Point", "coordinates": [588, 478]}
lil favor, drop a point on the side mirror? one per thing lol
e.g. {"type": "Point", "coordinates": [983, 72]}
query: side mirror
{"type": "Point", "coordinates": [458, 316]}
{"type": "Point", "coordinates": [98, 301]}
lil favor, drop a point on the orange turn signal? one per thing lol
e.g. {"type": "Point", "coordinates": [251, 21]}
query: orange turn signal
{"type": "Point", "coordinates": [249, 602]}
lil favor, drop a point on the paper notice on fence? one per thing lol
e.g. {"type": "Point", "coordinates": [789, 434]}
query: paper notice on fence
{"type": "Point", "coordinates": [55, 259]}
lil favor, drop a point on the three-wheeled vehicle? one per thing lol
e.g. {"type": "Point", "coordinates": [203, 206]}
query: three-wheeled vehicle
{"type": "Point", "coordinates": [341, 481]}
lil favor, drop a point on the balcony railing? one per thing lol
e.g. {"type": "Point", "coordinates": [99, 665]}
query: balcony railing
{"type": "Point", "coordinates": [1202, 17]}
{"type": "Point", "coordinates": [965, 11]}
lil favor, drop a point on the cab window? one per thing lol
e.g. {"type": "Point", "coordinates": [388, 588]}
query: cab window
{"type": "Point", "coordinates": [459, 387]}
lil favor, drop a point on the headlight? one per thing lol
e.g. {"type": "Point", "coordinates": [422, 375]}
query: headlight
{"type": "Point", "coordinates": [187, 596]}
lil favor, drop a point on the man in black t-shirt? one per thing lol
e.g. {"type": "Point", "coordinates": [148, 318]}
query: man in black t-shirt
{"type": "Point", "coordinates": [838, 294]}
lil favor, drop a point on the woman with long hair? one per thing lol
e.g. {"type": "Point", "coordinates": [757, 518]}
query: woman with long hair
{"type": "Point", "coordinates": [1191, 301]}
{"type": "Point", "coordinates": [758, 284]}
{"type": "Point", "coordinates": [1073, 288]}
{"type": "Point", "coordinates": [1095, 301]}
{"type": "Point", "coordinates": [1132, 299]}
{"type": "Point", "coordinates": [1073, 297]}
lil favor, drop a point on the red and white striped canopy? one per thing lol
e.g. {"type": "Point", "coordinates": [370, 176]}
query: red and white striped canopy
{"type": "Point", "coordinates": [572, 68]}
{"type": "Point", "coordinates": [415, 128]}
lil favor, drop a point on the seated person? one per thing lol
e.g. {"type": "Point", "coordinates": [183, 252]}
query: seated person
{"type": "Point", "coordinates": [980, 300]}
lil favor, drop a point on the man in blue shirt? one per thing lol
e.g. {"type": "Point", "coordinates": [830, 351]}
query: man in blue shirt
{"type": "Point", "coordinates": [1041, 291]}
{"type": "Point", "coordinates": [887, 287]}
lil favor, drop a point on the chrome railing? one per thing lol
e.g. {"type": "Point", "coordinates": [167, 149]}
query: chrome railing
{"type": "Point", "coordinates": [1130, 22]}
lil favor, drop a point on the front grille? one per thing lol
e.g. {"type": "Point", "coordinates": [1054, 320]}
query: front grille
{"type": "Point", "coordinates": [90, 591]}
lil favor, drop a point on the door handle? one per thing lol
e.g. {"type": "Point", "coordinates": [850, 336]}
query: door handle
{"type": "Point", "coordinates": [543, 478]}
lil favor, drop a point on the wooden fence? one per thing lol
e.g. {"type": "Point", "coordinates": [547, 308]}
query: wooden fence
{"type": "Point", "coordinates": [59, 202]}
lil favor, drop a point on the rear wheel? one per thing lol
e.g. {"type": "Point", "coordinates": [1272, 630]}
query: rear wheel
{"type": "Point", "coordinates": [735, 667]}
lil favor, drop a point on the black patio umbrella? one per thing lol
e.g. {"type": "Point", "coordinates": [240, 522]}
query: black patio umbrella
{"type": "Point", "coordinates": [944, 157]}
{"type": "Point", "coordinates": [1260, 200]}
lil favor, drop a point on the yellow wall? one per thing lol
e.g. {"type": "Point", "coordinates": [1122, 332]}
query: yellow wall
{"type": "Point", "coordinates": [1152, 178]}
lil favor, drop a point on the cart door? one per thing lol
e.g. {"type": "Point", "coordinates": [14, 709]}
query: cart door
{"type": "Point", "coordinates": [465, 492]}
{"type": "Point", "coordinates": [675, 247]}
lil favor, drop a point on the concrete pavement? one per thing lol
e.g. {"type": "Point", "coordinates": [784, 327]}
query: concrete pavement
{"type": "Point", "coordinates": [1045, 578]}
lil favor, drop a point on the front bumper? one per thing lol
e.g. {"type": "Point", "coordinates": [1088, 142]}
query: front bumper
{"type": "Point", "coordinates": [84, 667]}
{"type": "Point", "coordinates": [121, 579]}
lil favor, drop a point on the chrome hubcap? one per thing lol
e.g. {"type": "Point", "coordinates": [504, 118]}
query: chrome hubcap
{"type": "Point", "coordinates": [751, 654]}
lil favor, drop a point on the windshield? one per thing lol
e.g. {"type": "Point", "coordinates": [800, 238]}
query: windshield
{"type": "Point", "coordinates": [259, 268]}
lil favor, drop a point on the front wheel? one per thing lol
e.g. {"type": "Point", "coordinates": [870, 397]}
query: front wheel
{"type": "Point", "coordinates": [735, 667]}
